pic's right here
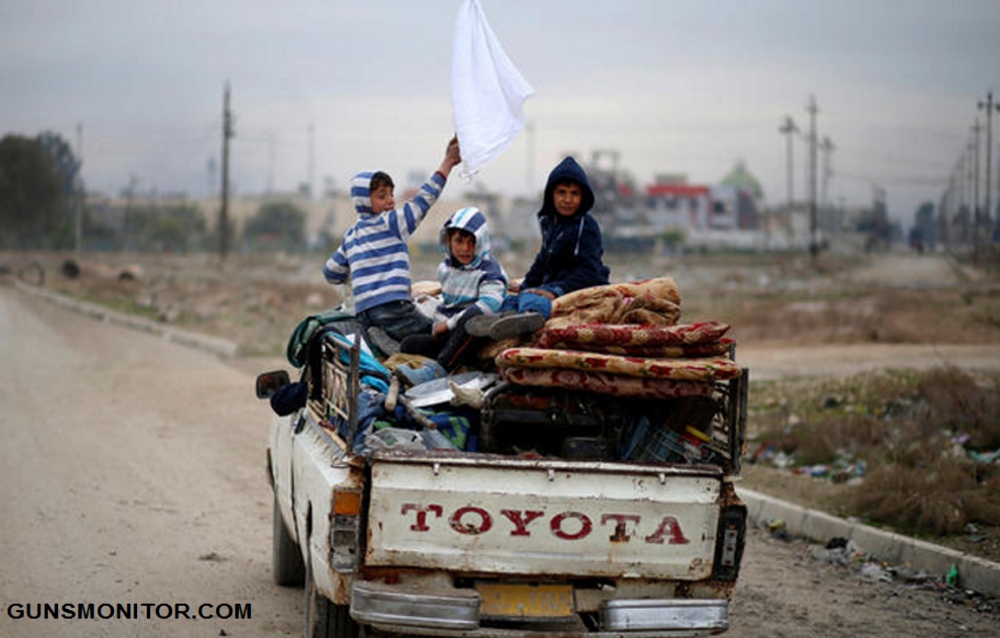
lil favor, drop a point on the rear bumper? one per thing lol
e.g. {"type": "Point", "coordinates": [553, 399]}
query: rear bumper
{"type": "Point", "coordinates": [398, 606]}
{"type": "Point", "coordinates": [669, 615]}
{"type": "Point", "coordinates": [455, 612]}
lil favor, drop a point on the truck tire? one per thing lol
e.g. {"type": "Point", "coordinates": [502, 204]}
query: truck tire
{"type": "Point", "coordinates": [327, 620]}
{"type": "Point", "coordinates": [287, 566]}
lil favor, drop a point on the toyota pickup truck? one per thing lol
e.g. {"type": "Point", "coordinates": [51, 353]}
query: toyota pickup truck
{"type": "Point", "coordinates": [568, 539]}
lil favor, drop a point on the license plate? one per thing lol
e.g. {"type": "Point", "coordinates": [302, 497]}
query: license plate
{"type": "Point", "coordinates": [525, 601]}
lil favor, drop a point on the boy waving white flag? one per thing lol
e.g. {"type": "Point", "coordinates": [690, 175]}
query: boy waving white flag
{"type": "Point", "coordinates": [487, 91]}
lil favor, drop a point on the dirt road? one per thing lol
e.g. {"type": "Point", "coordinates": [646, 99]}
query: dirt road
{"type": "Point", "coordinates": [132, 471]}
{"type": "Point", "coordinates": [768, 362]}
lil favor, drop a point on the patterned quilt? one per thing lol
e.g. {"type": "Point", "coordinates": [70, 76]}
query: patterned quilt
{"type": "Point", "coordinates": [653, 302]}
{"type": "Point", "coordinates": [706, 369]}
{"type": "Point", "coordinates": [602, 383]}
{"type": "Point", "coordinates": [591, 336]}
{"type": "Point", "coordinates": [624, 340]}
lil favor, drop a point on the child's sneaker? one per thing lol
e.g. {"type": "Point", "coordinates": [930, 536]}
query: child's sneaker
{"type": "Point", "coordinates": [381, 340]}
{"type": "Point", "coordinates": [517, 324]}
{"type": "Point", "coordinates": [480, 325]}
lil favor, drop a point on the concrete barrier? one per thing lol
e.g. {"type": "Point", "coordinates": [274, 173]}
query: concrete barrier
{"type": "Point", "coordinates": [974, 573]}
{"type": "Point", "coordinates": [216, 345]}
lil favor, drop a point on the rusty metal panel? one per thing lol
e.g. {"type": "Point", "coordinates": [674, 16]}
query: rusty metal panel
{"type": "Point", "coordinates": [543, 518]}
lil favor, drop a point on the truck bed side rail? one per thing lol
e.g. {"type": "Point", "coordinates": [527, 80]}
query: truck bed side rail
{"type": "Point", "coordinates": [334, 379]}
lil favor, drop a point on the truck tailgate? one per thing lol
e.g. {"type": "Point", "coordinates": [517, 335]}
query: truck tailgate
{"type": "Point", "coordinates": [543, 517]}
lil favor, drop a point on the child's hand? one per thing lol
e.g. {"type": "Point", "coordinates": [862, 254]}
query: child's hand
{"type": "Point", "coordinates": [453, 153]}
{"type": "Point", "coordinates": [440, 329]}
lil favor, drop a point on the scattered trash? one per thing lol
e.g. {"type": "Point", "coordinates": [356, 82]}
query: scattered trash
{"type": "Point", "coordinates": [70, 269]}
{"type": "Point", "coordinates": [779, 530]}
{"type": "Point", "coordinates": [837, 542]}
{"type": "Point", "coordinates": [838, 551]}
{"type": "Point", "coordinates": [875, 573]}
{"type": "Point", "coordinates": [986, 457]}
{"type": "Point", "coordinates": [952, 577]}
{"type": "Point", "coordinates": [32, 274]}
{"type": "Point", "coordinates": [212, 556]}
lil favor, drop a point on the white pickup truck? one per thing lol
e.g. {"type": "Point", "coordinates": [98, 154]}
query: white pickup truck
{"type": "Point", "coordinates": [573, 541]}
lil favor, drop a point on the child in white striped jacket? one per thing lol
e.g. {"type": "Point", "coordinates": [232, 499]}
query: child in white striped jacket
{"type": "Point", "coordinates": [473, 283]}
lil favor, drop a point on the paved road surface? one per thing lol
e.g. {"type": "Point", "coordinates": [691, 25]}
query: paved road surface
{"type": "Point", "coordinates": [132, 471]}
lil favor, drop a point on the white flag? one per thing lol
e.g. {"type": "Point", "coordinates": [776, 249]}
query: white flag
{"type": "Point", "coordinates": [487, 91]}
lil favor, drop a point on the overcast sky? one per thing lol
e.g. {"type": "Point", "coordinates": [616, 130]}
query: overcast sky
{"type": "Point", "coordinates": [673, 86]}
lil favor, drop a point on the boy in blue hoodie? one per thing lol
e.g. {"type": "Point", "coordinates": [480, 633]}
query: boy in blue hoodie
{"type": "Point", "coordinates": [473, 284]}
{"type": "Point", "coordinates": [570, 258]}
{"type": "Point", "coordinates": [374, 252]}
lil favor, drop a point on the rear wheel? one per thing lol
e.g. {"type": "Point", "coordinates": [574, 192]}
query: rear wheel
{"type": "Point", "coordinates": [325, 619]}
{"type": "Point", "coordinates": [287, 565]}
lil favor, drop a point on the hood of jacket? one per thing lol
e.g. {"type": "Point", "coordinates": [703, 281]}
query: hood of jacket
{"type": "Point", "coordinates": [567, 170]}
{"type": "Point", "coordinates": [472, 220]}
{"type": "Point", "coordinates": [361, 194]}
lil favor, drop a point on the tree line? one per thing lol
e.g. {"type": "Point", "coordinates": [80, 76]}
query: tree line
{"type": "Point", "coordinates": [41, 193]}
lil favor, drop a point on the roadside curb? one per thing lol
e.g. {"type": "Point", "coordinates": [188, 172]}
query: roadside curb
{"type": "Point", "coordinates": [974, 573]}
{"type": "Point", "coordinates": [215, 345]}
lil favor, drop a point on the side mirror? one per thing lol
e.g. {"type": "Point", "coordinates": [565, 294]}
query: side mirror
{"type": "Point", "coordinates": [269, 382]}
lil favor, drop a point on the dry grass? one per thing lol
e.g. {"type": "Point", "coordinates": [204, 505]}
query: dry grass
{"type": "Point", "coordinates": [912, 437]}
{"type": "Point", "coordinates": [956, 402]}
{"type": "Point", "coordinates": [943, 496]}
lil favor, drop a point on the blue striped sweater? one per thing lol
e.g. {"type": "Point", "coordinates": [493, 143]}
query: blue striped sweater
{"type": "Point", "coordinates": [373, 252]}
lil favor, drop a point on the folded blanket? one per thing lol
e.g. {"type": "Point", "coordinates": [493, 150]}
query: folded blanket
{"type": "Point", "coordinates": [653, 301]}
{"type": "Point", "coordinates": [703, 369]}
{"type": "Point", "coordinates": [600, 304]}
{"type": "Point", "coordinates": [650, 310]}
{"type": "Point", "coordinates": [586, 336]}
{"type": "Point", "coordinates": [681, 351]}
{"type": "Point", "coordinates": [602, 383]}
{"type": "Point", "coordinates": [661, 287]}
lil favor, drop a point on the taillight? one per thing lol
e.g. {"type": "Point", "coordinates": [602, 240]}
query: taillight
{"type": "Point", "coordinates": [344, 530]}
{"type": "Point", "coordinates": [729, 542]}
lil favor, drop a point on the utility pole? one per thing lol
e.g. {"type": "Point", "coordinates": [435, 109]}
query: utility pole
{"type": "Point", "coordinates": [787, 129]}
{"type": "Point", "coordinates": [270, 162]}
{"type": "Point", "coordinates": [970, 162]}
{"type": "Point", "coordinates": [132, 183]}
{"type": "Point", "coordinates": [970, 184]}
{"type": "Point", "coordinates": [80, 196]}
{"type": "Point", "coordinates": [312, 160]}
{"type": "Point", "coordinates": [813, 244]}
{"type": "Point", "coordinates": [975, 187]}
{"type": "Point", "coordinates": [827, 147]}
{"type": "Point", "coordinates": [227, 133]}
{"type": "Point", "coordinates": [989, 105]}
